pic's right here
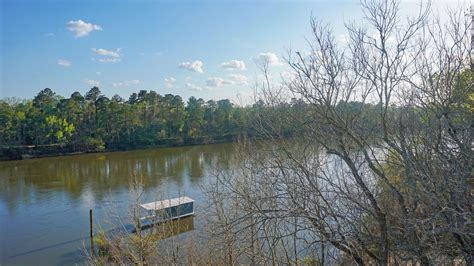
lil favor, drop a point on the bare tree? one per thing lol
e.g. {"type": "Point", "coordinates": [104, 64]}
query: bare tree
{"type": "Point", "coordinates": [381, 165]}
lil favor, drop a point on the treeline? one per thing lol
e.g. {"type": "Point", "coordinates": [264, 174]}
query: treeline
{"type": "Point", "coordinates": [51, 123]}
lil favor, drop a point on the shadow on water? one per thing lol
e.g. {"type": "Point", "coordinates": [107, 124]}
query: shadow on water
{"type": "Point", "coordinates": [48, 247]}
{"type": "Point", "coordinates": [166, 230]}
{"type": "Point", "coordinates": [66, 259]}
{"type": "Point", "coordinates": [163, 229]}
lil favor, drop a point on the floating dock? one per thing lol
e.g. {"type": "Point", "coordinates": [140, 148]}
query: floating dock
{"type": "Point", "coordinates": [166, 210]}
{"type": "Point", "coordinates": [159, 212]}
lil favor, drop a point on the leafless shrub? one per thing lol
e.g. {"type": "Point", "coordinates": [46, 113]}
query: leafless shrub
{"type": "Point", "coordinates": [382, 168]}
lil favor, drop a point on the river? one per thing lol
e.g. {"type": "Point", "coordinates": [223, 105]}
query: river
{"type": "Point", "coordinates": [44, 203]}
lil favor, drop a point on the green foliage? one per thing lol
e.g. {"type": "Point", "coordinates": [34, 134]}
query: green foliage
{"type": "Point", "coordinates": [59, 129]}
{"type": "Point", "coordinates": [94, 122]}
{"type": "Point", "coordinates": [93, 144]}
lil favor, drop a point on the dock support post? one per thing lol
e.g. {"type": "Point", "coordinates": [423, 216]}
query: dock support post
{"type": "Point", "coordinates": [91, 223]}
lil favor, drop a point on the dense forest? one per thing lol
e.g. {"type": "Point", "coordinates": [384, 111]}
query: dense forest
{"type": "Point", "coordinates": [52, 124]}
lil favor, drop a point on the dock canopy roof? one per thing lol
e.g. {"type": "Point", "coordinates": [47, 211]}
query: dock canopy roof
{"type": "Point", "coordinates": [164, 204]}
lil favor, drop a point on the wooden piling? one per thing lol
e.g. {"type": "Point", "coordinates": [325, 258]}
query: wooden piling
{"type": "Point", "coordinates": [91, 223]}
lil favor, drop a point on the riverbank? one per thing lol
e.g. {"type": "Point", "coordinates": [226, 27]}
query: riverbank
{"type": "Point", "coordinates": [12, 153]}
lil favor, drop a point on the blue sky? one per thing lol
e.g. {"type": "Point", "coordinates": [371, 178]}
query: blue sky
{"type": "Point", "coordinates": [182, 47]}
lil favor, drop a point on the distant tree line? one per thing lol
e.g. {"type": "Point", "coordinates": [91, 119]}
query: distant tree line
{"type": "Point", "coordinates": [52, 124]}
{"type": "Point", "coordinates": [94, 122]}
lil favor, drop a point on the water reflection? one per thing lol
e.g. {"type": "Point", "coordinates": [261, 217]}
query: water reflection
{"type": "Point", "coordinates": [173, 228]}
{"type": "Point", "coordinates": [45, 201]}
{"type": "Point", "coordinates": [26, 182]}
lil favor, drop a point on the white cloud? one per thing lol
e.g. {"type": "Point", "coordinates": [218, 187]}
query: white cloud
{"type": "Point", "coordinates": [238, 79]}
{"type": "Point", "coordinates": [108, 56]}
{"type": "Point", "coordinates": [234, 79]}
{"type": "Point", "coordinates": [217, 82]}
{"type": "Point", "coordinates": [125, 83]}
{"type": "Point", "coordinates": [268, 58]}
{"type": "Point", "coordinates": [82, 28]}
{"type": "Point", "coordinates": [64, 63]}
{"type": "Point", "coordinates": [170, 82]}
{"type": "Point", "coordinates": [98, 73]}
{"type": "Point", "coordinates": [234, 65]}
{"type": "Point", "coordinates": [108, 53]}
{"type": "Point", "coordinates": [195, 66]}
{"type": "Point", "coordinates": [92, 82]}
{"type": "Point", "coordinates": [193, 87]}
{"type": "Point", "coordinates": [109, 60]}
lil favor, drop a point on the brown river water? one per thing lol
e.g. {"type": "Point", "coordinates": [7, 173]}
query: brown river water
{"type": "Point", "coordinates": [44, 203]}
